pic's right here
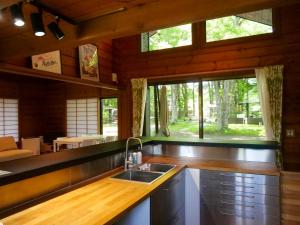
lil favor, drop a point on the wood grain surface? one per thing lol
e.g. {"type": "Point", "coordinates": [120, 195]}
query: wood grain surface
{"type": "Point", "coordinates": [290, 198]}
{"type": "Point", "coordinates": [101, 202]}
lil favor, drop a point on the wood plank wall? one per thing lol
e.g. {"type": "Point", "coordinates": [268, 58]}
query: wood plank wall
{"type": "Point", "coordinates": [43, 102]}
{"type": "Point", "coordinates": [283, 48]}
{"type": "Point", "coordinates": [290, 201]}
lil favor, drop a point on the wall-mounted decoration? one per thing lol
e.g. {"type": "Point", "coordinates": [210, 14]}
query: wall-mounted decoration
{"type": "Point", "coordinates": [49, 61]}
{"type": "Point", "coordinates": [88, 61]}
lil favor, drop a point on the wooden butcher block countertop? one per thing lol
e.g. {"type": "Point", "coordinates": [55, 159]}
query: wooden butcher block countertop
{"type": "Point", "coordinates": [106, 200]}
{"type": "Point", "coordinates": [101, 202]}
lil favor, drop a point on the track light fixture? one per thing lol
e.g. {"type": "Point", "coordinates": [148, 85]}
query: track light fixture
{"type": "Point", "coordinates": [37, 24]}
{"type": "Point", "coordinates": [56, 31]}
{"type": "Point", "coordinates": [37, 18]}
{"type": "Point", "coordinates": [17, 14]}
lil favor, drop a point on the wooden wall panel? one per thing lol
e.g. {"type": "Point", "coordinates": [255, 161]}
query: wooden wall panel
{"type": "Point", "coordinates": [29, 93]}
{"type": "Point", "coordinates": [43, 102]}
{"type": "Point", "coordinates": [290, 198]}
{"type": "Point", "coordinates": [70, 59]}
{"type": "Point", "coordinates": [282, 48]}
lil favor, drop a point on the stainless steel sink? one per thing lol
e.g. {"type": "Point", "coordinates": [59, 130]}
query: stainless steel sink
{"type": "Point", "coordinates": [147, 172]}
{"type": "Point", "coordinates": [140, 176]}
{"type": "Point", "coordinates": [156, 167]}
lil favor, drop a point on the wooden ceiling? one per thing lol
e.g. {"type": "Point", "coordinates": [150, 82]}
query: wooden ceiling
{"type": "Point", "coordinates": [94, 20]}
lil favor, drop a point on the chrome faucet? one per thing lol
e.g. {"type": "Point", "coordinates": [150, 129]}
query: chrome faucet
{"type": "Point", "coordinates": [126, 152]}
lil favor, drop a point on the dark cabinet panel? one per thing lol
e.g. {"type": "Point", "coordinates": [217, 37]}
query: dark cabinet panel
{"type": "Point", "coordinates": [238, 199]}
{"type": "Point", "coordinates": [168, 203]}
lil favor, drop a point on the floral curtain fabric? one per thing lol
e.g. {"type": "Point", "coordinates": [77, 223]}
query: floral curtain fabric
{"type": "Point", "coordinates": [270, 81]}
{"type": "Point", "coordinates": [139, 93]}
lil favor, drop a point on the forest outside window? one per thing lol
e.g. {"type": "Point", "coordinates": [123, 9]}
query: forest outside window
{"type": "Point", "coordinates": [166, 38]}
{"type": "Point", "coordinates": [241, 25]}
{"type": "Point", "coordinates": [109, 116]}
{"type": "Point", "coordinates": [211, 109]}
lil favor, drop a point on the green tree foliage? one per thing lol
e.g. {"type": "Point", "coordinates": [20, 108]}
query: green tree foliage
{"type": "Point", "coordinates": [109, 109]}
{"type": "Point", "coordinates": [233, 27]}
{"type": "Point", "coordinates": [170, 37]}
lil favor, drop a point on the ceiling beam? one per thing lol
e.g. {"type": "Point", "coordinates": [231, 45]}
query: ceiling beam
{"type": "Point", "coordinates": [146, 17]}
{"type": "Point", "coordinates": [165, 13]}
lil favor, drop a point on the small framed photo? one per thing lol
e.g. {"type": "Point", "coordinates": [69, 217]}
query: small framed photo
{"type": "Point", "coordinates": [88, 62]}
{"type": "Point", "coordinates": [49, 62]}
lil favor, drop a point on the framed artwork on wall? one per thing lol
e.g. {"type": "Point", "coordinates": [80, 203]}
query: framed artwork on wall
{"type": "Point", "coordinates": [49, 62]}
{"type": "Point", "coordinates": [88, 62]}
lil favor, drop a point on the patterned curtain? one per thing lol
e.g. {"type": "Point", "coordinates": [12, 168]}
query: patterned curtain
{"type": "Point", "coordinates": [139, 93]}
{"type": "Point", "coordinates": [269, 81]}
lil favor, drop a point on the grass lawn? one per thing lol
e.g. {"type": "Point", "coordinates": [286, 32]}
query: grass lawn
{"type": "Point", "coordinates": [191, 128]}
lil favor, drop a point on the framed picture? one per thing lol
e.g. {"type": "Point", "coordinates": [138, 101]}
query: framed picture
{"type": "Point", "coordinates": [49, 61]}
{"type": "Point", "coordinates": [88, 62]}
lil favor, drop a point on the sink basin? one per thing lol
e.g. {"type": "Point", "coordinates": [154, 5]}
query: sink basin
{"type": "Point", "coordinates": [156, 167]}
{"type": "Point", "coordinates": [136, 175]}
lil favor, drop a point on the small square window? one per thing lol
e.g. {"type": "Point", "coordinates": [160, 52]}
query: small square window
{"type": "Point", "coordinates": [241, 25]}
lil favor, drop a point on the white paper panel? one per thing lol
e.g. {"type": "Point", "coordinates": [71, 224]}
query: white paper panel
{"type": "Point", "coordinates": [9, 121]}
{"type": "Point", "coordinates": [82, 116]}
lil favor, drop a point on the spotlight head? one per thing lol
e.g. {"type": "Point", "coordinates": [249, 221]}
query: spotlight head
{"type": "Point", "coordinates": [37, 24]}
{"type": "Point", "coordinates": [56, 31]}
{"type": "Point", "coordinates": [17, 15]}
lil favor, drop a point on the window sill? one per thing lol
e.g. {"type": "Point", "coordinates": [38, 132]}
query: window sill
{"type": "Point", "coordinates": [256, 144]}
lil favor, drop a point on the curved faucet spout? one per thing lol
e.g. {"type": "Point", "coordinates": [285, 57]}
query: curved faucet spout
{"type": "Point", "coordinates": [126, 152]}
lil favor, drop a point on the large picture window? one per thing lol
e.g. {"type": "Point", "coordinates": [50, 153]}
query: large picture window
{"type": "Point", "coordinates": [241, 25]}
{"type": "Point", "coordinates": [211, 109]}
{"type": "Point", "coordinates": [9, 118]}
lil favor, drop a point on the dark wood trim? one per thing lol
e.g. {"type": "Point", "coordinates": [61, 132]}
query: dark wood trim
{"type": "Point", "coordinates": [101, 116]}
{"type": "Point", "coordinates": [200, 105]}
{"type": "Point", "coordinates": [156, 107]}
{"type": "Point", "coordinates": [22, 71]}
{"type": "Point", "coordinates": [209, 75]}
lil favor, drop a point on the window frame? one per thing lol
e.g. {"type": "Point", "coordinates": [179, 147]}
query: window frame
{"type": "Point", "coordinates": [199, 38]}
{"type": "Point", "coordinates": [101, 116]}
{"type": "Point", "coordinates": [238, 40]}
{"type": "Point", "coordinates": [200, 78]}
{"type": "Point", "coordinates": [195, 35]}
{"type": "Point", "coordinates": [76, 99]}
{"type": "Point", "coordinates": [18, 130]}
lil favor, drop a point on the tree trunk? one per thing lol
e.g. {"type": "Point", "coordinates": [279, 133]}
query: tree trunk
{"type": "Point", "coordinates": [224, 95]}
{"type": "Point", "coordinates": [211, 97]}
{"type": "Point", "coordinates": [185, 100]}
{"type": "Point", "coordinates": [174, 103]}
{"type": "Point", "coordinates": [194, 104]}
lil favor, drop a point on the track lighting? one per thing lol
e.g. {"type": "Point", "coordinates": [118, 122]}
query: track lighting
{"type": "Point", "coordinates": [37, 18]}
{"type": "Point", "coordinates": [17, 15]}
{"type": "Point", "coordinates": [37, 24]}
{"type": "Point", "coordinates": [56, 31]}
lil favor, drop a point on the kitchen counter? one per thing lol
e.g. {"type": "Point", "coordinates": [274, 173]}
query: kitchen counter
{"type": "Point", "coordinates": [106, 200]}
{"type": "Point", "coordinates": [264, 168]}
{"type": "Point", "coordinates": [37, 165]}
{"type": "Point", "coordinates": [101, 202]}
